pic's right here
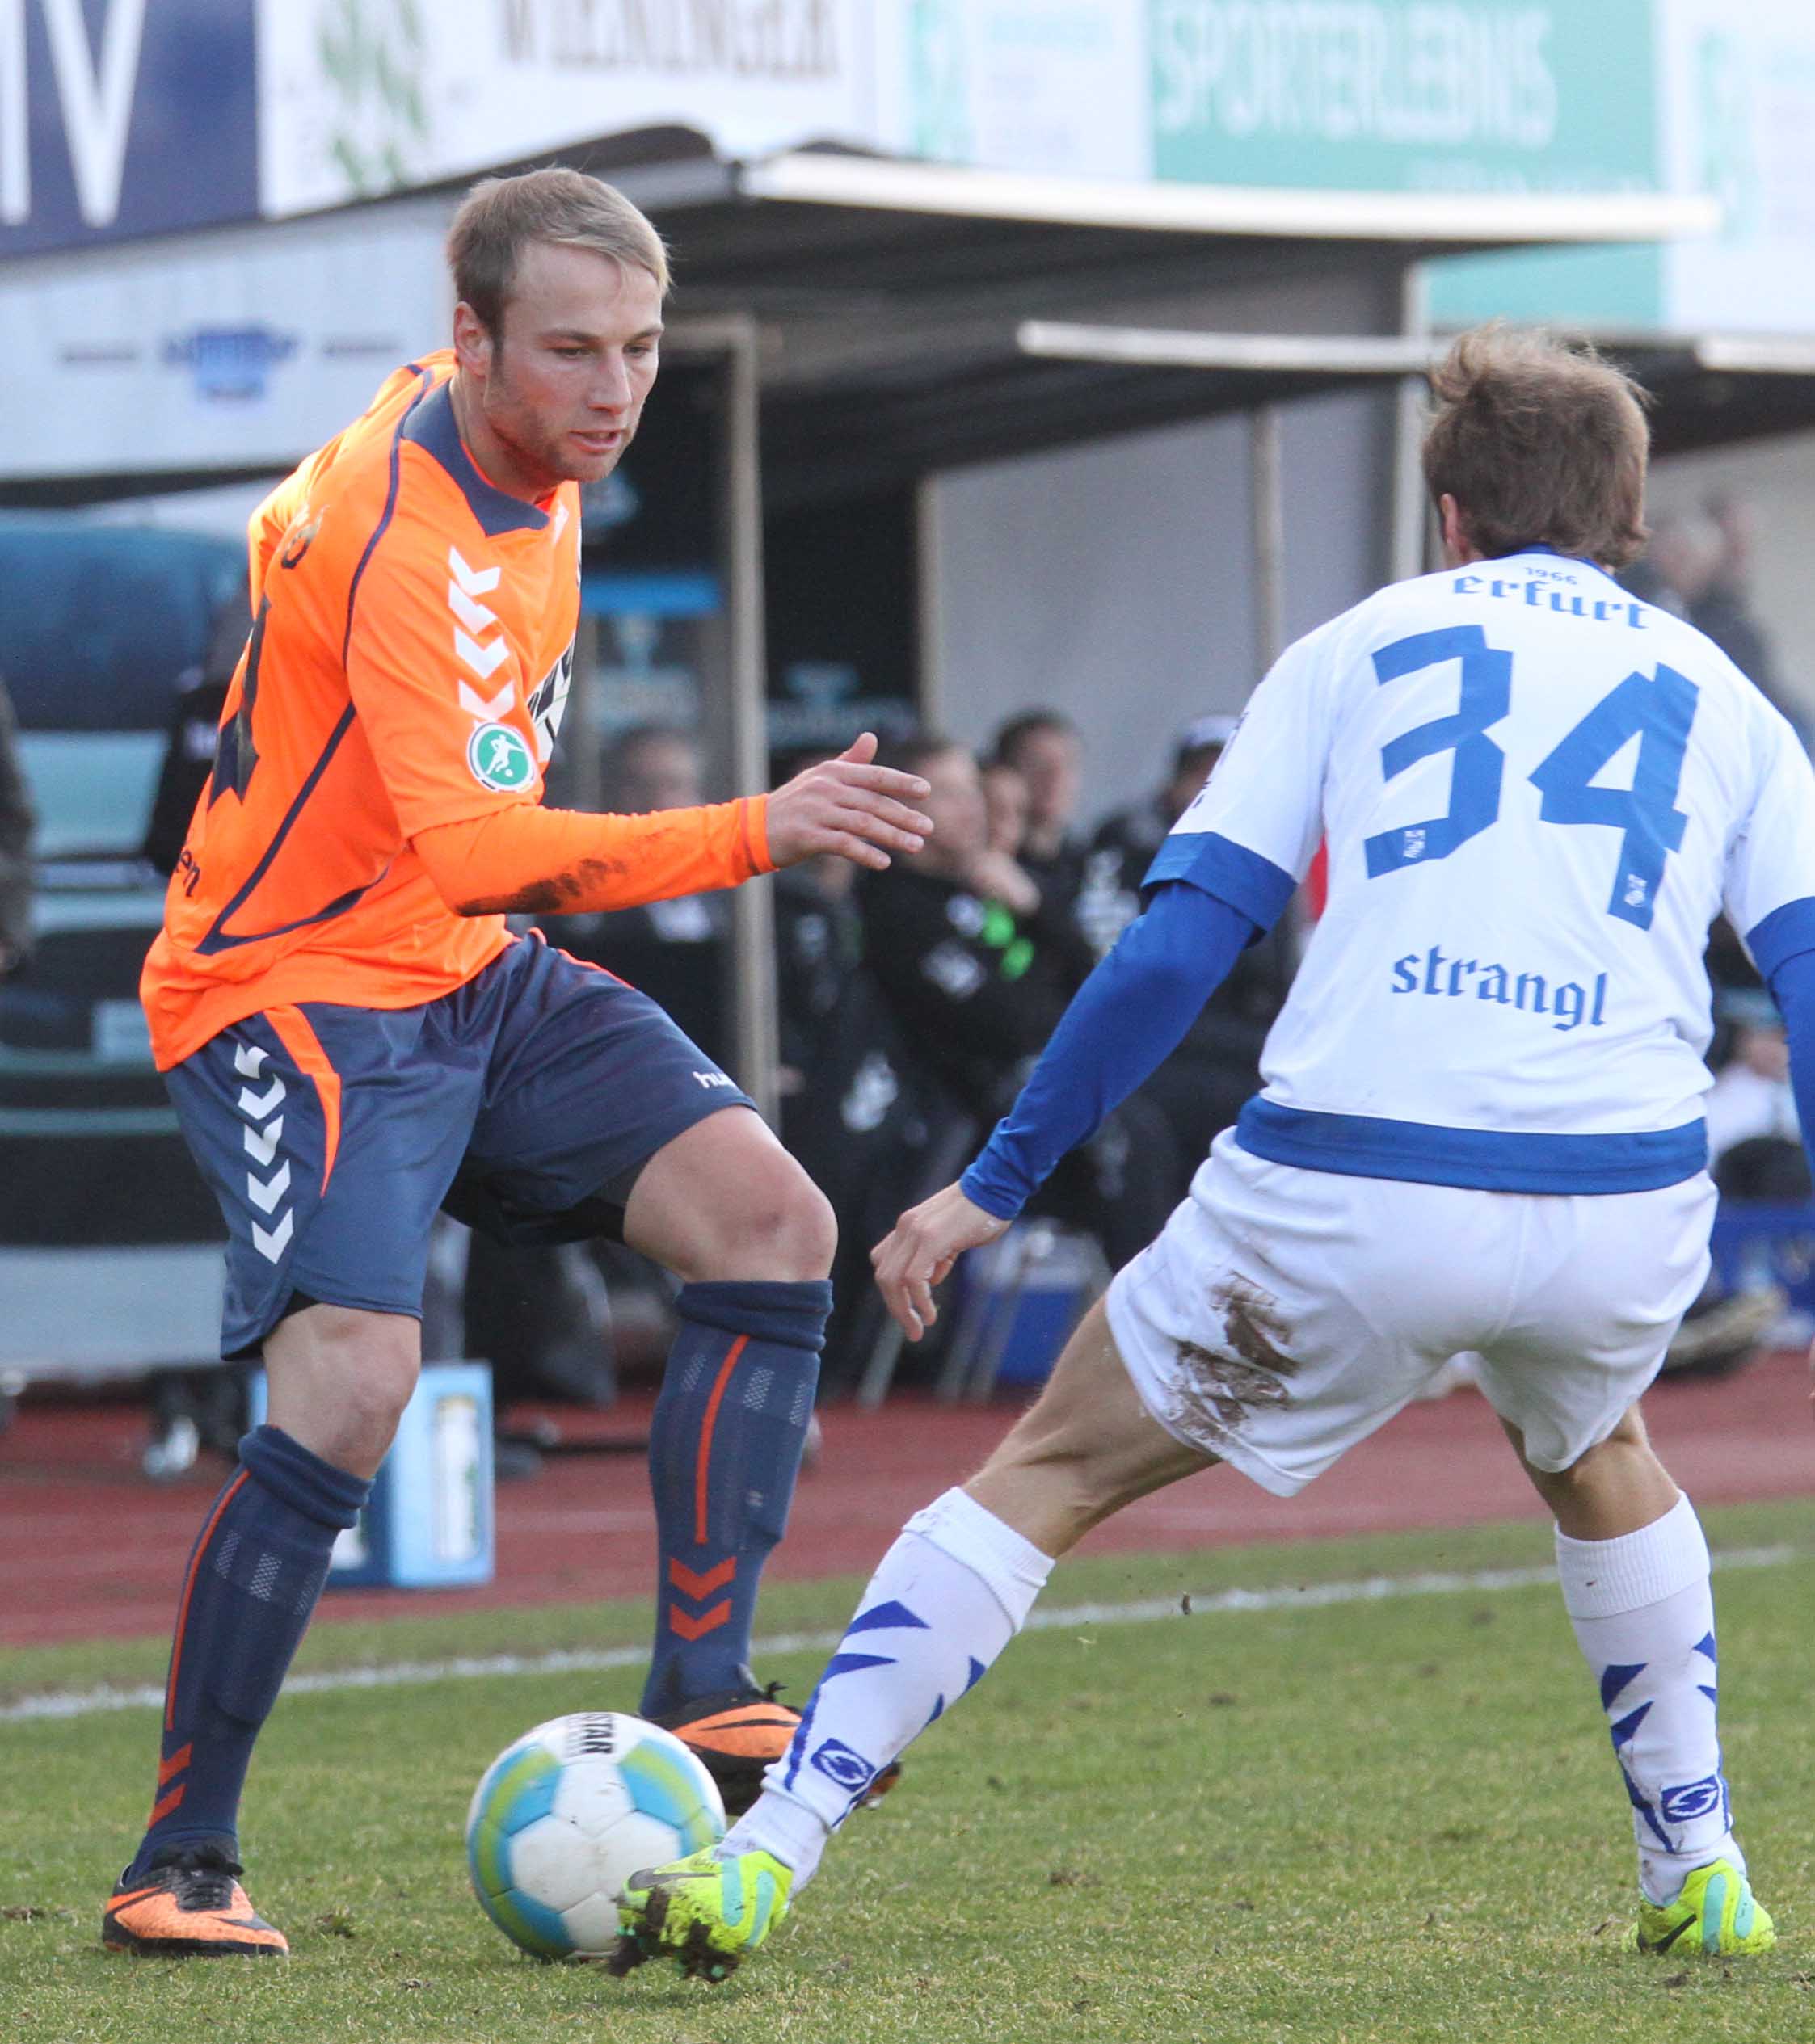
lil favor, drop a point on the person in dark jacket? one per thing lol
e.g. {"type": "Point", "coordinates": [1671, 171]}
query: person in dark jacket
{"type": "Point", "coordinates": [193, 732]}
{"type": "Point", "coordinates": [17, 821]}
{"type": "Point", "coordinates": [1200, 1087]}
{"type": "Point", "coordinates": [976, 964]}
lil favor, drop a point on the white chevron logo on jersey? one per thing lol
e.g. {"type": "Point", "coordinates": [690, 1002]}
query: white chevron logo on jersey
{"type": "Point", "coordinates": [473, 582]}
{"type": "Point", "coordinates": [488, 710]}
{"type": "Point", "coordinates": [484, 660]}
{"type": "Point", "coordinates": [474, 616]}
{"type": "Point", "coordinates": [468, 584]}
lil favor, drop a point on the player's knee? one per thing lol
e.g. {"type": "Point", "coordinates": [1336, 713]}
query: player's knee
{"type": "Point", "coordinates": [780, 1225]}
{"type": "Point", "coordinates": [339, 1381]}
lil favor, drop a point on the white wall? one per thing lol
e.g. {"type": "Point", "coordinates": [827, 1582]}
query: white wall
{"type": "Point", "coordinates": [1113, 580]}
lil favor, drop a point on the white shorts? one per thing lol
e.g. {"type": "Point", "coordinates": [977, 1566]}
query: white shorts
{"type": "Point", "coordinates": [1283, 1314]}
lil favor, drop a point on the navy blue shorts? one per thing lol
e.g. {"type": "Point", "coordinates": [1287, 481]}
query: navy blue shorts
{"type": "Point", "coordinates": [523, 1103]}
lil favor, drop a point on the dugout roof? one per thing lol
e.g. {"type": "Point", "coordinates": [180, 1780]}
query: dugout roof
{"type": "Point", "coordinates": [895, 297]}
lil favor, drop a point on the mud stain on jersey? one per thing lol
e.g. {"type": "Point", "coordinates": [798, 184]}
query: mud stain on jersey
{"type": "Point", "coordinates": [559, 892]}
{"type": "Point", "coordinates": [1218, 1388]}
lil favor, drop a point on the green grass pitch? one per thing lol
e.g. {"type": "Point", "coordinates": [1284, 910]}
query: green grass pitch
{"type": "Point", "coordinates": [1394, 1819]}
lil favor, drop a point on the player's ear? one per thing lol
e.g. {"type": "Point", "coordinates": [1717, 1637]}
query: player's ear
{"type": "Point", "coordinates": [1458, 544]}
{"type": "Point", "coordinates": [472, 340]}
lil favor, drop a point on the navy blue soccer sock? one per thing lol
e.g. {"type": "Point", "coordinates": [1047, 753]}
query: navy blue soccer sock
{"type": "Point", "coordinates": [252, 1582]}
{"type": "Point", "coordinates": [724, 1450]}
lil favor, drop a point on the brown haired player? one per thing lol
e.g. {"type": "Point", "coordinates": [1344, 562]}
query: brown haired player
{"type": "Point", "coordinates": [1480, 1129]}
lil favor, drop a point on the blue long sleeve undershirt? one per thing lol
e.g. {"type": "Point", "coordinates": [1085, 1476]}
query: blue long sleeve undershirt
{"type": "Point", "coordinates": [1793, 987]}
{"type": "Point", "coordinates": [1128, 1017]}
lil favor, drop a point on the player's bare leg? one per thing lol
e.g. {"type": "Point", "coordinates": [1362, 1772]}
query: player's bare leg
{"type": "Point", "coordinates": [947, 1598]}
{"type": "Point", "coordinates": [1634, 1568]}
{"type": "Point", "coordinates": [727, 1209]}
{"type": "Point", "coordinates": [1085, 1448]}
{"type": "Point", "coordinates": [338, 1379]}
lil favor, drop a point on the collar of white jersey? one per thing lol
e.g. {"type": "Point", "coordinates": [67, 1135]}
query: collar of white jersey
{"type": "Point", "coordinates": [1556, 553]}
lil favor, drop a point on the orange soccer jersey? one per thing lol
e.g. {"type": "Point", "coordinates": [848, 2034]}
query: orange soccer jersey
{"type": "Point", "coordinates": [407, 669]}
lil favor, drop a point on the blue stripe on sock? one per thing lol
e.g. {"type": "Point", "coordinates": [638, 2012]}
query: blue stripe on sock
{"type": "Point", "coordinates": [886, 1617]}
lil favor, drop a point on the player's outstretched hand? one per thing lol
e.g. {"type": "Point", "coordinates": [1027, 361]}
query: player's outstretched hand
{"type": "Point", "coordinates": [920, 1250]}
{"type": "Point", "coordinates": [848, 806]}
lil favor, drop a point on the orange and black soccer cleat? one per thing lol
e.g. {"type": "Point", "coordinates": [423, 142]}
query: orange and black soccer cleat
{"type": "Point", "coordinates": [737, 1734]}
{"type": "Point", "coordinates": [193, 1908]}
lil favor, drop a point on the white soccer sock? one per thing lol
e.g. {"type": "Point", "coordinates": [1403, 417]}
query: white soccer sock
{"type": "Point", "coordinates": [1645, 1618]}
{"type": "Point", "coordinates": [948, 1596]}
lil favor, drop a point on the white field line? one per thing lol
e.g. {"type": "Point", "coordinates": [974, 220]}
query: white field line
{"type": "Point", "coordinates": [1312, 1596]}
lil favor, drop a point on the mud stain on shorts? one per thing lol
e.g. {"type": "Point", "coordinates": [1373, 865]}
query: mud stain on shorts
{"type": "Point", "coordinates": [1218, 1388]}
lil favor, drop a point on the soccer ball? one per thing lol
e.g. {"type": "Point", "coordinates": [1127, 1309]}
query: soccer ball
{"type": "Point", "coordinates": [563, 1818]}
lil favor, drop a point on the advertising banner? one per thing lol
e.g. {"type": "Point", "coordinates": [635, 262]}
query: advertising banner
{"type": "Point", "coordinates": [1740, 122]}
{"type": "Point", "coordinates": [1393, 95]}
{"type": "Point", "coordinates": [365, 96]}
{"type": "Point", "coordinates": [245, 348]}
{"type": "Point", "coordinates": [124, 117]}
{"type": "Point", "coordinates": [1736, 118]}
{"type": "Point", "coordinates": [1058, 87]}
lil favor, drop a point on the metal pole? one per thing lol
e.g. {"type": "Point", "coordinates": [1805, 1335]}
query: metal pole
{"type": "Point", "coordinates": [1411, 515]}
{"type": "Point", "coordinates": [929, 704]}
{"type": "Point", "coordinates": [756, 1034]}
{"type": "Point", "coordinates": [1267, 491]}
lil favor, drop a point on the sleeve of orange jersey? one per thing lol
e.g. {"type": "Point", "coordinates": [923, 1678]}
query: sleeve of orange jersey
{"type": "Point", "coordinates": [487, 849]}
{"type": "Point", "coordinates": [271, 521]}
{"type": "Point", "coordinates": [276, 516]}
{"type": "Point", "coordinates": [560, 861]}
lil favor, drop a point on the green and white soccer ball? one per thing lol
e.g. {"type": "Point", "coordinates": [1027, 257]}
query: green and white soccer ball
{"type": "Point", "coordinates": [563, 1818]}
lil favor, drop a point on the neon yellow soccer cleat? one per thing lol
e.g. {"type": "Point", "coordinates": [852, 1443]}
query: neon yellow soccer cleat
{"type": "Point", "coordinates": [705, 1914]}
{"type": "Point", "coordinates": [1715, 1915]}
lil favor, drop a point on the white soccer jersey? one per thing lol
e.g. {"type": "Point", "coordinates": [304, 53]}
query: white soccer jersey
{"type": "Point", "coordinates": [1537, 794]}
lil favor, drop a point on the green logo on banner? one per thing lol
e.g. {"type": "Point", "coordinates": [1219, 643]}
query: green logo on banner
{"type": "Point", "coordinates": [500, 758]}
{"type": "Point", "coordinates": [1406, 96]}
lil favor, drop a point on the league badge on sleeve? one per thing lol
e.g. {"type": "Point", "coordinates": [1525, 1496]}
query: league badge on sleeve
{"type": "Point", "coordinates": [500, 758]}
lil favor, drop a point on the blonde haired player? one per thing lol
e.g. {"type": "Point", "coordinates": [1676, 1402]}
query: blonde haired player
{"type": "Point", "coordinates": [353, 1038]}
{"type": "Point", "coordinates": [1480, 1129]}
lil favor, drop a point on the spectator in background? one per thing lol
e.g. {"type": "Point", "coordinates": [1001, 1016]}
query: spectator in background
{"type": "Point", "coordinates": [1004, 809]}
{"type": "Point", "coordinates": [1754, 1136]}
{"type": "Point", "coordinates": [1697, 566]}
{"type": "Point", "coordinates": [976, 963]}
{"type": "Point", "coordinates": [193, 732]}
{"type": "Point", "coordinates": [1755, 1153]}
{"type": "Point", "coordinates": [673, 951]}
{"type": "Point", "coordinates": [1042, 745]}
{"type": "Point", "coordinates": [1200, 1087]}
{"type": "Point", "coordinates": [1126, 841]}
{"type": "Point", "coordinates": [17, 820]}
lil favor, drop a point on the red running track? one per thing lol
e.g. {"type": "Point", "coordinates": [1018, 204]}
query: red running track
{"type": "Point", "coordinates": [94, 1550]}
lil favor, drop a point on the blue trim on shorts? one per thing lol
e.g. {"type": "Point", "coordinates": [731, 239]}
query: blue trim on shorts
{"type": "Point", "coordinates": [1487, 1160]}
